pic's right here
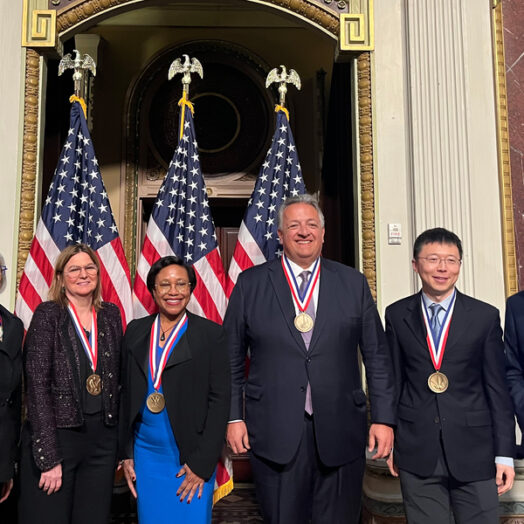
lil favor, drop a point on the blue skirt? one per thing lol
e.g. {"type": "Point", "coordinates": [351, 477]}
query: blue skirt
{"type": "Point", "coordinates": [157, 462]}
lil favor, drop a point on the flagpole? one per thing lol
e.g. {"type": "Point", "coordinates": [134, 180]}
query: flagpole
{"type": "Point", "coordinates": [189, 66]}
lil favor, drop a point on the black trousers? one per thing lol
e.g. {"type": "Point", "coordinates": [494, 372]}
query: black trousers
{"type": "Point", "coordinates": [305, 490]}
{"type": "Point", "coordinates": [434, 499]}
{"type": "Point", "coordinates": [88, 467]}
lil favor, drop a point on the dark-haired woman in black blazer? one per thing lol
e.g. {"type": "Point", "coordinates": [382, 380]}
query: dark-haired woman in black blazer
{"type": "Point", "coordinates": [176, 401]}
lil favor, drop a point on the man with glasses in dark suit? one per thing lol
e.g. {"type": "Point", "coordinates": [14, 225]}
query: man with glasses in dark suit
{"type": "Point", "coordinates": [455, 438]}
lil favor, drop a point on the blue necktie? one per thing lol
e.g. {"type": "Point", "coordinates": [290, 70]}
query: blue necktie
{"type": "Point", "coordinates": [435, 321]}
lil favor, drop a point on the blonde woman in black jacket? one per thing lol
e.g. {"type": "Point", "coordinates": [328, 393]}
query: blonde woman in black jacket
{"type": "Point", "coordinates": [72, 372]}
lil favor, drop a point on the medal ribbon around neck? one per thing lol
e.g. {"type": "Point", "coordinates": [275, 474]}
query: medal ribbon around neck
{"type": "Point", "coordinates": [302, 302]}
{"type": "Point", "coordinates": [436, 350]}
{"type": "Point", "coordinates": [90, 346]}
{"type": "Point", "coordinates": [154, 348]}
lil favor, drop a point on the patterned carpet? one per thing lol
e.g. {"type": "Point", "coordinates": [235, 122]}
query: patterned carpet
{"type": "Point", "coordinates": [239, 507]}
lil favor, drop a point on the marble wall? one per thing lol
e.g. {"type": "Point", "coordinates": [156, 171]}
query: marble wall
{"type": "Point", "coordinates": [513, 13]}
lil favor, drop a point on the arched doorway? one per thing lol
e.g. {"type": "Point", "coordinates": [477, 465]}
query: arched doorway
{"type": "Point", "coordinates": [287, 18]}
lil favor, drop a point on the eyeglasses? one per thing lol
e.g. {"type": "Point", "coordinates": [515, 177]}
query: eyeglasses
{"type": "Point", "coordinates": [433, 260]}
{"type": "Point", "coordinates": [3, 269]}
{"type": "Point", "coordinates": [165, 287]}
{"type": "Point", "coordinates": [75, 271]}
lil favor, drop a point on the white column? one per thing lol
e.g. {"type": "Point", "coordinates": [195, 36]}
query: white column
{"type": "Point", "coordinates": [435, 114]}
{"type": "Point", "coordinates": [11, 82]}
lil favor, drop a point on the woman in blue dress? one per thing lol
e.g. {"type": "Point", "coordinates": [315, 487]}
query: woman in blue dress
{"type": "Point", "coordinates": [176, 402]}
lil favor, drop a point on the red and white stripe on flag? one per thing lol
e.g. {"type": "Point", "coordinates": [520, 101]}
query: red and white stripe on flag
{"type": "Point", "coordinates": [39, 269]}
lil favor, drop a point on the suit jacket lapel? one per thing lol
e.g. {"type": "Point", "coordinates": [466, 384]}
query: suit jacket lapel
{"type": "Point", "coordinates": [181, 352]}
{"type": "Point", "coordinates": [71, 342]}
{"type": "Point", "coordinates": [460, 321]}
{"type": "Point", "coordinates": [415, 321]}
{"type": "Point", "coordinates": [140, 346]}
{"type": "Point", "coordinates": [327, 290]}
{"type": "Point", "coordinates": [283, 293]}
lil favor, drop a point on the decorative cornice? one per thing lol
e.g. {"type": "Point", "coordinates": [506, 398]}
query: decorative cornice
{"type": "Point", "coordinates": [367, 181]}
{"type": "Point", "coordinates": [29, 159]}
{"type": "Point", "coordinates": [503, 146]}
{"type": "Point", "coordinates": [71, 15]}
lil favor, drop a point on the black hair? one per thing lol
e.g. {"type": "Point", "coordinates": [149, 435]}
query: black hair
{"type": "Point", "coordinates": [437, 235]}
{"type": "Point", "coordinates": [163, 262]}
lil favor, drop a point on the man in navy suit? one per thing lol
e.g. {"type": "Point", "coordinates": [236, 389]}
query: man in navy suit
{"type": "Point", "coordinates": [455, 437]}
{"type": "Point", "coordinates": [514, 344]}
{"type": "Point", "coordinates": [303, 318]}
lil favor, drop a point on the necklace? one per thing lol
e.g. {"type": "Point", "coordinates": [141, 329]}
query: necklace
{"type": "Point", "coordinates": [164, 331]}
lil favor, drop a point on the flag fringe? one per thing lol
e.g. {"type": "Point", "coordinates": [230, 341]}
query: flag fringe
{"type": "Point", "coordinates": [223, 490]}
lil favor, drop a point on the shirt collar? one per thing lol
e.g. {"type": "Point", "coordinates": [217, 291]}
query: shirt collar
{"type": "Point", "coordinates": [445, 303]}
{"type": "Point", "coordinates": [298, 269]}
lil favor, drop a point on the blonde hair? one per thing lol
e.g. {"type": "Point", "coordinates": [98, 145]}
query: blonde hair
{"type": "Point", "coordinates": [57, 289]}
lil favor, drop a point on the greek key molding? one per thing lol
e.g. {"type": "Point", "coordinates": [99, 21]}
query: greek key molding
{"type": "Point", "coordinates": [508, 227]}
{"type": "Point", "coordinates": [38, 25]}
{"type": "Point", "coordinates": [29, 159]}
{"type": "Point", "coordinates": [367, 180]}
{"type": "Point", "coordinates": [357, 27]}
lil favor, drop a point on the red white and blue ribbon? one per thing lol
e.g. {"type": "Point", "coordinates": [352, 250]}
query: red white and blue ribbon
{"type": "Point", "coordinates": [156, 365]}
{"type": "Point", "coordinates": [301, 301]}
{"type": "Point", "coordinates": [438, 347]}
{"type": "Point", "coordinates": [90, 345]}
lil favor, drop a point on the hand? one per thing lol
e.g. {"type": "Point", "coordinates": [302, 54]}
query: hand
{"type": "Point", "coordinates": [6, 489]}
{"type": "Point", "coordinates": [51, 480]}
{"type": "Point", "coordinates": [237, 438]}
{"type": "Point", "coordinates": [504, 478]}
{"type": "Point", "coordinates": [189, 485]}
{"type": "Point", "coordinates": [391, 465]}
{"type": "Point", "coordinates": [381, 436]}
{"type": "Point", "coordinates": [130, 475]}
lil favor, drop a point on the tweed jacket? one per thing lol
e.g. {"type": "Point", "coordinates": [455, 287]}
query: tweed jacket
{"type": "Point", "coordinates": [10, 391]}
{"type": "Point", "coordinates": [52, 375]}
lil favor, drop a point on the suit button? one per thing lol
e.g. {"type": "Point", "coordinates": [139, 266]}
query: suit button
{"type": "Point", "coordinates": [437, 420]}
{"type": "Point", "coordinates": [308, 360]}
{"type": "Point", "coordinates": [302, 388]}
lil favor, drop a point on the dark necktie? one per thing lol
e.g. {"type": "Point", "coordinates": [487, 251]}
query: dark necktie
{"type": "Point", "coordinates": [435, 321]}
{"type": "Point", "coordinates": [310, 310]}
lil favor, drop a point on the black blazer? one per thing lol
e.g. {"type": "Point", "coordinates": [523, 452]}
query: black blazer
{"type": "Point", "coordinates": [514, 345]}
{"type": "Point", "coordinates": [474, 417]}
{"type": "Point", "coordinates": [260, 317]}
{"type": "Point", "coordinates": [10, 391]}
{"type": "Point", "coordinates": [54, 393]}
{"type": "Point", "coordinates": [196, 385]}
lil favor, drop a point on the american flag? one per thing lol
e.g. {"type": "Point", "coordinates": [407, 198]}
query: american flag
{"type": "Point", "coordinates": [76, 210]}
{"type": "Point", "coordinates": [181, 224]}
{"type": "Point", "coordinates": [279, 178]}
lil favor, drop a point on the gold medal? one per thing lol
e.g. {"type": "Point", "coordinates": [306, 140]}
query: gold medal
{"type": "Point", "coordinates": [94, 384]}
{"type": "Point", "coordinates": [438, 382]}
{"type": "Point", "coordinates": [156, 402]}
{"type": "Point", "coordinates": [303, 322]}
